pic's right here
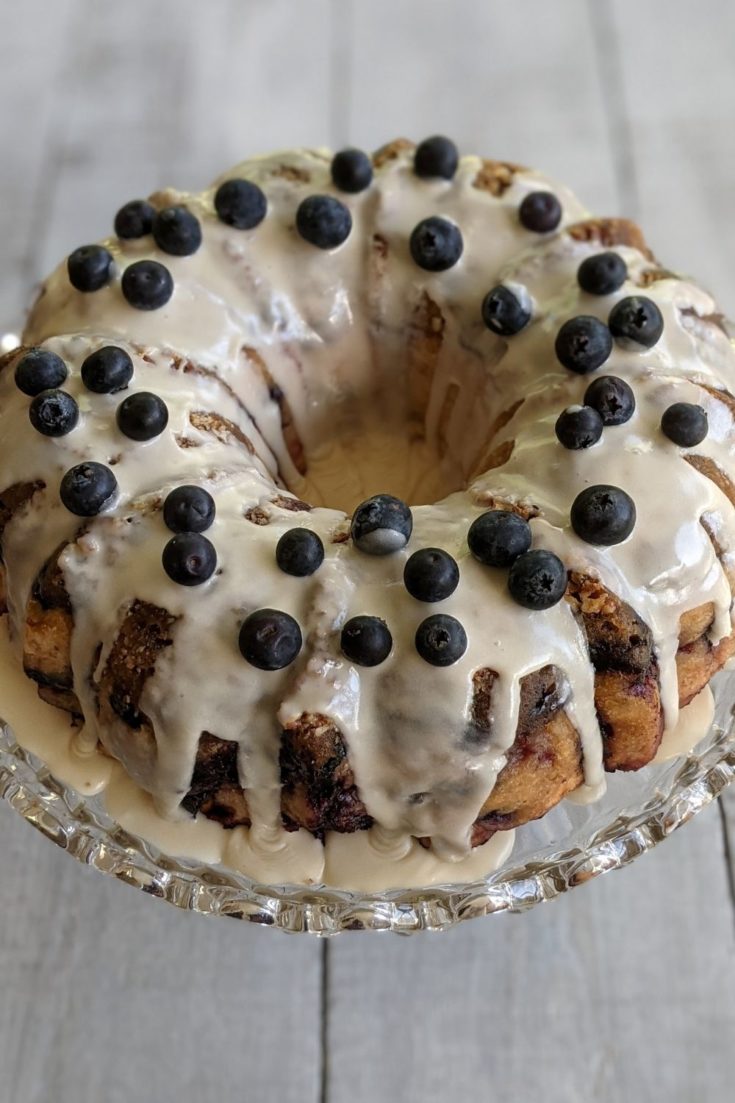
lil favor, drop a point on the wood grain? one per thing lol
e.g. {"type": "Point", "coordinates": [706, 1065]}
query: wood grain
{"type": "Point", "coordinates": [107, 996]}
{"type": "Point", "coordinates": [606, 994]}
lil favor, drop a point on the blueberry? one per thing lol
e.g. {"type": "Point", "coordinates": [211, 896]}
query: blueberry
{"type": "Point", "coordinates": [431, 574]}
{"type": "Point", "coordinates": [87, 488]}
{"type": "Point", "coordinates": [189, 559]}
{"type": "Point", "coordinates": [299, 552]}
{"type": "Point", "coordinates": [270, 639]}
{"type": "Point", "coordinates": [540, 211]}
{"type": "Point", "coordinates": [39, 370]}
{"type": "Point", "coordinates": [135, 219]}
{"type": "Point", "coordinates": [503, 312]}
{"type": "Point", "coordinates": [583, 344]}
{"type": "Point", "coordinates": [177, 231]}
{"type": "Point", "coordinates": [537, 580]}
{"type": "Point", "coordinates": [602, 274]}
{"type": "Point", "coordinates": [381, 525]}
{"type": "Point", "coordinates": [142, 416]}
{"type": "Point", "coordinates": [436, 156]}
{"type": "Point", "coordinates": [323, 221]}
{"type": "Point", "coordinates": [498, 537]}
{"type": "Point", "coordinates": [636, 322]}
{"type": "Point", "coordinates": [579, 427]}
{"type": "Point", "coordinates": [108, 370]}
{"type": "Point", "coordinates": [366, 641]}
{"type": "Point", "coordinates": [685, 424]}
{"type": "Point", "coordinates": [352, 170]}
{"type": "Point", "coordinates": [612, 398]}
{"type": "Point", "coordinates": [188, 509]}
{"type": "Point", "coordinates": [147, 285]}
{"type": "Point", "coordinates": [603, 515]}
{"type": "Point", "coordinates": [436, 244]}
{"type": "Point", "coordinates": [53, 413]}
{"type": "Point", "coordinates": [441, 640]}
{"type": "Point", "coordinates": [241, 204]}
{"type": "Point", "coordinates": [89, 267]}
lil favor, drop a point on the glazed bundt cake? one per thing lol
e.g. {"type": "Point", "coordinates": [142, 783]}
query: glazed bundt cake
{"type": "Point", "coordinates": [387, 493]}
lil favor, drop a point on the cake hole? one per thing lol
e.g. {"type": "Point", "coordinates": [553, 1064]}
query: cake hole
{"type": "Point", "coordinates": [417, 436]}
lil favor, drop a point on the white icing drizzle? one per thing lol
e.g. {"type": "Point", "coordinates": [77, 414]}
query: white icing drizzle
{"type": "Point", "coordinates": [335, 332]}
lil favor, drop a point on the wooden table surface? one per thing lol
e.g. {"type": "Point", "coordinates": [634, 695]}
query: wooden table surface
{"type": "Point", "coordinates": [624, 989]}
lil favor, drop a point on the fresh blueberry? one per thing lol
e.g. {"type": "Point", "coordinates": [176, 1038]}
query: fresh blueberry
{"type": "Point", "coordinates": [685, 424]}
{"type": "Point", "coordinates": [188, 509]}
{"type": "Point", "coordinates": [612, 398]}
{"type": "Point", "coordinates": [503, 312]}
{"type": "Point", "coordinates": [603, 515]}
{"type": "Point", "coordinates": [299, 552]}
{"type": "Point", "coordinates": [53, 413]}
{"type": "Point", "coordinates": [431, 574]}
{"type": "Point", "coordinates": [39, 370]}
{"type": "Point", "coordinates": [498, 537]}
{"type": "Point", "coordinates": [108, 370]}
{"type": "Point", "coordinates": [636, 322]}
{"type": "Point", "coordinates": [366, 641]}
{"type": "Point", "coordinates": [135, 219]}
{"type": "Point", "coordinates": [540, 211]}
{"type": "Point", "coordinates": [579, 427]}
{"type": "Point", "coordinates": [87, 488]}
{"type": "Point", "coordinates": [537, 580]}
{"type": "Point", "coordinates": [436, 156]}
{"type": "Point", "coordinates": [189, 559]}
{"type": "Point", "coordinates": [89, 267]}
{"type": "Point", "coordinates": [142, 416]}
{"type": "Point", "coordinates": [177, 231]}
{"type": "Point", "coordinates": [602, 274]}
{"type": "Point", "coordinates": [270, 639]}
{"type": "Point", "coordinates": [147, 285]}
{"type": "Point", "coordinates": [241, 204]}
{"type": "Point", "coordinates": [381, 525]}
{"type": "Point", "coordinates": [323, 221]}
{"type": "Point", "coordinates": [583, 344]}
{"type": "Point", "coordinates": [352, 170]}
{"type": "Point", "coordinates": [436, 244]}
{"type": "Point", "coordinates": [441, 640]}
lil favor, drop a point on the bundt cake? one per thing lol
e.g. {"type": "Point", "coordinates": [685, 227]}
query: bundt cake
{"type": "Point", "coordinates": [386, 494]}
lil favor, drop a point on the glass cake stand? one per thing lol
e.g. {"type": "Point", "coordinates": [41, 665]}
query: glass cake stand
{"type": "Point", "coordinates": [569, 846]}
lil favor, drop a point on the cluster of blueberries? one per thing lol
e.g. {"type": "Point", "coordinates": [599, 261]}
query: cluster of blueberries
{"type": "Point", "coordinates": [584, 343]}
{"type": "Point", "coordinates": [147, 284]}
{"type": "Point", "coordinates": [270, 639]}
{"type": "Point", "coordinates": [323, 220]}
{"type": "Point", "coordinates": [87, 488]}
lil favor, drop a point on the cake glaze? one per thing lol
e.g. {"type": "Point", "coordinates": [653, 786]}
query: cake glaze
{"type": "Point", "coordinates": [261, 314]}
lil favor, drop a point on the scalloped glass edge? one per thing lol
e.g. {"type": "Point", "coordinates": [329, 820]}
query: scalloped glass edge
{"type": "Point", "coordinates": [82, 827]}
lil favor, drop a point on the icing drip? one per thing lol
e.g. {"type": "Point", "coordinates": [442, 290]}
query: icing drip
{"type": "Point", "coordinates": [335, 357]}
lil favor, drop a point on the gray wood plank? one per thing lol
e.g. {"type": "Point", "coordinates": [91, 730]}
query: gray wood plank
{"type": "Point", "coordinates": [108, 994]}
{"type": "Point", "coordinates": [607, 994]}
{"type": "Point", "coordinates": [680, 89]}
{"type": "Point", "coordinates": [727, 815]}
{"type": "Point", "coordinates": [521, 85]}
{"type": "Point", "coordinates": [30, 98]}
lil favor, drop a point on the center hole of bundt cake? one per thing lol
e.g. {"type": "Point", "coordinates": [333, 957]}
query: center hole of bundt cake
{"type": "Point", "coordinates": [372, 454]}
{"type": "Point", "coordinates": [409, 411]}
{"type": "Point", "coordinates": [344, 472]}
